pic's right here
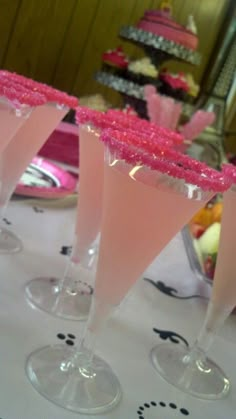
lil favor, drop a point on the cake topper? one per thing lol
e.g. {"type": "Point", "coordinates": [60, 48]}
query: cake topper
{"type": "Point", "coordinates": [191, 25]}
{"type": "Point", "coordinates": [166, 6]}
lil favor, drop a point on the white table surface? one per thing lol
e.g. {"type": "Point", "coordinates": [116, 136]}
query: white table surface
{"type": "Point", "coordinates": [125, 343]}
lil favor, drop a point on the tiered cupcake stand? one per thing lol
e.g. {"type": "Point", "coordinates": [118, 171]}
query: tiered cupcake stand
{"type": "Point", "coordinates": [159, 50]}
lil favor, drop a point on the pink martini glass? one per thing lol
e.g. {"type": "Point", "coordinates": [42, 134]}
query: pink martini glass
{"type": "Point", "coordinates": [140, 190]}
{"type": "Point", "coordinates": [26, 142]}
{"type": "Point", "coordinates": [70, 297]}
{"type": "Point", "coordinates": [191, 370]}
{"type": "Point", "coordinates": [16, 106]}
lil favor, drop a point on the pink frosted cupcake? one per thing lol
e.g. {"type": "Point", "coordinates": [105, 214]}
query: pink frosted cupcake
{"type": "Point", "coordinates": [174, 85]}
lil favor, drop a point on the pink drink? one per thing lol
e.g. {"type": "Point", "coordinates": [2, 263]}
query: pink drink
{"type": "Point", "coordinates": [224, 285]}
{"type": "Point", "coordinates": [10, 122]}
{"type": "Point", "coordinates": [26, 143]}
{"type": "Point", "coordinates": [139, 218]}
{"type": "Point", "coordinates": [89, 208]}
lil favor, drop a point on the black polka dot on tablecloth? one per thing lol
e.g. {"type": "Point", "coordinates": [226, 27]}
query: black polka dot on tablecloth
{"type": "Point", "coordinates": [6, 221]}
{"type": "Point", "coordinates": [184, 411]}
{"type": "Point", "coordinates": [69, 338]}
{"type": "Point", "coordinates": [160, 405]}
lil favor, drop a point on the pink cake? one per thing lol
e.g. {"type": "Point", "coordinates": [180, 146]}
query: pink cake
{"type": "Point", "coordinates": [162, 24]}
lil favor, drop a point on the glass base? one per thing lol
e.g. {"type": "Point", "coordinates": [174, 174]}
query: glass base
{"type": "Point", "coordinates": [54, 374]}
{"type": "Point", "coordinates": [48, 295]}
{"type": "Point", "coordinates": [202, 379]}
{"type": "Point", "coordinates": [9, 242]}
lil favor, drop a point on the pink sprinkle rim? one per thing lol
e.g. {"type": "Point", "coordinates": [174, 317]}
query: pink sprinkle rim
{"type": "Point", "coordinates": [193, 172]}
{"type": "Point", "coordinates": [52, 94]}
{"type": "Point", "coordinates": [144, 125]}
{"type": "Point", "coordinates": [119, 120]}
{"type": "Point", "coordinates": [19, 95]}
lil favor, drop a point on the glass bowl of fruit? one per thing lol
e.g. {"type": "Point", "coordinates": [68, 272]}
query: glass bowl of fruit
{"type": "Point", "coordinates": [201, 238]}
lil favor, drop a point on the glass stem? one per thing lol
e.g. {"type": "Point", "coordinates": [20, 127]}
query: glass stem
{"type": "Point", "coordinates": [86, 259]}
{"type": "Point", "coordinates": [197, 356]}
{"type": "Point", "coordinates": [98, 317]}
{"type": "Point", "coordinates": [3, 209]}
{"type": "Point", "coordinates": [214, 320]}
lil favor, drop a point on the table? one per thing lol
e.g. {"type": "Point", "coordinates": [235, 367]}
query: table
{"type": "Point", "coordinates": [128, 338]}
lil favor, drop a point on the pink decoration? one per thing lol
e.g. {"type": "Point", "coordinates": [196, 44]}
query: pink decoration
{"type": "Point", "coordinates": [52, 95]}
{"type": "Point", "coordinates": [164, 111]}
{"type": "Point", "coordinates": [175, 115]}
{"type": "Point", "coordinates": [62, 145]}
{"type": "Point", "coordinates": [135, 150]}
{"type": "Point", "coordinates": [148, 90]}
{"type": "Point", "coordinates": [199, 121]}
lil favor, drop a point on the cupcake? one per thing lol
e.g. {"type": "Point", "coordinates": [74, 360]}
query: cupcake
{"type": "Point", "coordinates": [174, 85]}
{"type": "Point", "coordinates": [142, 71]}
{"type": "Point", "coordinates": [115, 60]}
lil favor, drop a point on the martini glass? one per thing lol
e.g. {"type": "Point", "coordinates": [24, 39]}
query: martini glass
{"type": "Point", "coordinates": [137, 222]}
{"type": "Point", "coordinates": [26, 142]}
{"type": "Point", "coordinates": [70, 297]}
{"type": "Point", "coordinates": [190, 369]}
{"type": "Point", "coordinates": [16, 106]}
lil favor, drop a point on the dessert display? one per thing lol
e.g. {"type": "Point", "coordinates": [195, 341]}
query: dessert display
{"type": "Point", "coordinates": [161, 39]}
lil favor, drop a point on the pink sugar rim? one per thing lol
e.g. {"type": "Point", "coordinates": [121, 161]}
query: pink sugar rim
{"type": "Point", "coordinates": [16, 93]}
{"type": "Point", "coordinates": [104, 121]}
{"type": "Point", "coordinates": [145, 125]}
{"type": "Point", "coordinates": [120, 120]}
{"type": "Point", "coordinates": [157, 146]}
{"type": "Point", "coordinates": [52, 94]}
{"type": "Point", "coordinates": [213, 180]}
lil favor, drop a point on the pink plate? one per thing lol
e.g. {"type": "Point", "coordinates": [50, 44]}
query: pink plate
{"type": "Point", "coordinates": [44, 179]}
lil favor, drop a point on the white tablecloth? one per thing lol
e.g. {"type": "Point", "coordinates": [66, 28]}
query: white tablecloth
{"type": "Point", "coordinates": [125, 343]}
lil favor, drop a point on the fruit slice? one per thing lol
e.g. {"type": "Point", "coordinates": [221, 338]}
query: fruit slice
{"type": "Point", "coordinates": [209, 241]}
{"type": "Point", "coordinates": [196, 230]}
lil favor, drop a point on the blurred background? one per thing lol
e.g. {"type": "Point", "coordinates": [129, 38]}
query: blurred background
{"type": "Point", "coordinates": [61, 42]}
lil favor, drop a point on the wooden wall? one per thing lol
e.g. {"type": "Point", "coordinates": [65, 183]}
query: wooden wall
{"type": "Point", "coordinates": [61, 41]}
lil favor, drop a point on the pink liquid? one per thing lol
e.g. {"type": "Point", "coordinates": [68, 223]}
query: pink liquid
{"type": "Point", "coordinates": [25, 145]}
{"type": "Point", "coordinates": [89, 210]}
{"type": "Point", "coordinates": [138, 221]}
{"type": "Point", "coordinates": [224, 284]}
{"type": "Point", "coordinates": [9, 123]}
